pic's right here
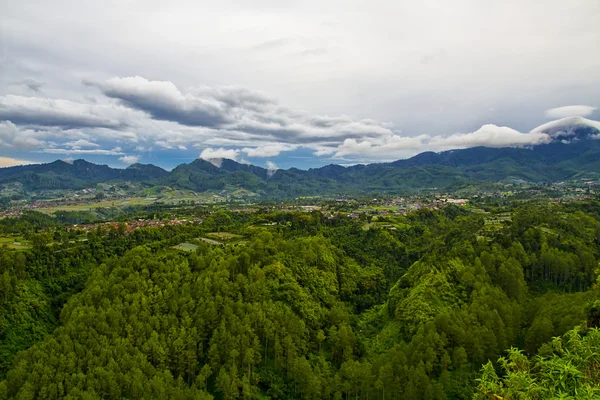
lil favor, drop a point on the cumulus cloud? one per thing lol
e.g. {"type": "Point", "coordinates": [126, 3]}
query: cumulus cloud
{"type": "Point", "coordinates": [11, 162]}
{"type": "Point", "coordinates": [79, 143]}
{"type": "Point", "coordinates": [131, 159]}
{"type": "Point", "coordinates": [216, 155]}
{"type": "Point", "coordinates": [389, 146]}
{"type": "Point", "coordinates": [13, 137]}
{"type": "Point", "coordinates": [270, 150]}
{"type": "Point", "coordinates": [395, 146]}
{"type": "Point", "coordinates": [491, 136]}
{"type": "Point", "coordinates": [8, 131]}
{"type": "Point", "coordinates": [570, 111]}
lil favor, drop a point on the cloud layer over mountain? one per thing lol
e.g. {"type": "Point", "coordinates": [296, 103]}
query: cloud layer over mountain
{"type": "Point", "coordinates": [222, 122]}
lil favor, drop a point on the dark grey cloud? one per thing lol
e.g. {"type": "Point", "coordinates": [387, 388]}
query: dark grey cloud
{"type": "Point", "coordinates": [234, 109]}
{"type": "Point", "coordinates": [163, 101]}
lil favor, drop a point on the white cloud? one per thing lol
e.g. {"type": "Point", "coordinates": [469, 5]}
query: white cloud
{"type": "Point", "coordinates": [8, 131]}
{"type": "Point", "coordinates": [210, 154]}
{"type": "Point", "coordinates": [570, 111]}
{"type": "Point", "coordinates": [395, 147]}
{"type": "Point", "coordinates": [271, 168]}
{"type": "Point", "coordinates": [38, 111]}
{"type": "Point", "coordinates": [565, 125]}
{"type": "Point", "coordinates": [79, 143]}
{"type": "Point", "coordinates": [11, 162]}
{"type": "Point", "coordinates": [490, 136]}
{"type": "Point", "coordinates": [323, 151]}
{"type": "Point", "coordinates": [270, 150]}
{"type": "Point", "coordinates": [129, 159]}
{"type": "Point", "coordinates": [163, 144]}
{"type": "Point", "coordinates": [113, 152]}
{"type": "Point", "coordinates": [14, 138]}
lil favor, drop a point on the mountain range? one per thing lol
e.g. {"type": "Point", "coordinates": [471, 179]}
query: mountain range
{"type": "Point", "coordinates": [574, 151]}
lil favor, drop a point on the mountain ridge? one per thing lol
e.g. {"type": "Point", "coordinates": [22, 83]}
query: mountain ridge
{"type": "Point", "coordinates": [557, 160]}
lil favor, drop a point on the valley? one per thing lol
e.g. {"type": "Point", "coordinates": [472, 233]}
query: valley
{"type": "Point", "coordinates": [433, 278]}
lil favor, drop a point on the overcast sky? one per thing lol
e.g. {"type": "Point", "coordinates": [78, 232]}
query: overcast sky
{"type": "Point", "coordinates": [288, 83]}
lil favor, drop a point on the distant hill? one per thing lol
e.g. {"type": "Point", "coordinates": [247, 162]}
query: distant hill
{"type": "Point", "coordinates": [76, 175]}
{"type": "Point", "coordinates": [573, 151]}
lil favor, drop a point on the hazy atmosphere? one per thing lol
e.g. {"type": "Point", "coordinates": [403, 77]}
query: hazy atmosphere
{"type": "Point", "coordinates": [282, 84]}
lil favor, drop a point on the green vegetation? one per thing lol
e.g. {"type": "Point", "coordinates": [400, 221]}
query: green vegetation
{"type": "Point", "coordinates": [14, 242]}
{"type": "Point", "coordinates": [186, 247]}
{"type": "Point", "coordinates": [211, 241]}
{"type": "Point", "coordinates": [460, 171]}
{"type": "Point", "coordinates": [450, 304]}
{"type": "Point", "coordinates": [224, 235]}
{"type": "Point", "coordinates": [568, 369]}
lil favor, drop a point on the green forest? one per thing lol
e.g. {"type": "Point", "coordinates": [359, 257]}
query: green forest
{"type": "Point", "coordinates": [434, 304]}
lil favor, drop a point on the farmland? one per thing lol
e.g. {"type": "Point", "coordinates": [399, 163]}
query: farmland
{"type": "Point", "coordinates": [14, 242]}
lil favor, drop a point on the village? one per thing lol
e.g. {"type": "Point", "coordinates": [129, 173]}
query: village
{"type": "Point", "coordinates": [90, 200]}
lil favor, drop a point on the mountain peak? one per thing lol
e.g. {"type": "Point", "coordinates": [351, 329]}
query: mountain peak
{"type": "Point", "coordinates": [202, 164]}
{"type": "Point", "coordinates": [228, 163]}
{"type": "Point", "coordinates": [218, 162]}
{"type": "Point", "coordinates": [569, 128]}
{"type": "Point", "coordinates": [61, 162]}
{"type": "Point", "coordinates": [140, 166]}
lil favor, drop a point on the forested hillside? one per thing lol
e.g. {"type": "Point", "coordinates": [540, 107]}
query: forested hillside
{"type": "Point", "coordinates": [430, 305]}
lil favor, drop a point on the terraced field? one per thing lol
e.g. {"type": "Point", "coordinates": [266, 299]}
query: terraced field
{"type": "Point", "coordinates": [186, 247]}
{"type": "Point", "coordinates": [14, 242]}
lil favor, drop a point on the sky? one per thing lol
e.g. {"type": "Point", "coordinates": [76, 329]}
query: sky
{"type": "Point", "coordinates": [281, 83]}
